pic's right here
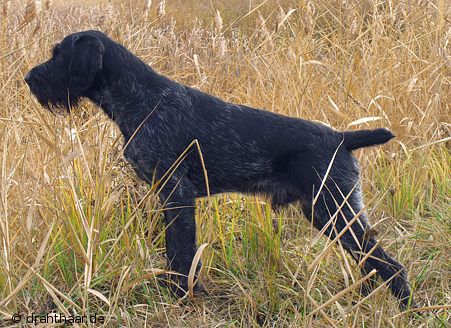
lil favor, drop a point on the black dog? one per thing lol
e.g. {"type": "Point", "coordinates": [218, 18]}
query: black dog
{"type": "Point", "coordinates": [243, 149]}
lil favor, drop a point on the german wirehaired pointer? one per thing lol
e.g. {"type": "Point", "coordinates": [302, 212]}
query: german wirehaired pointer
{"type": "Point", "coordinates": [242, 149]}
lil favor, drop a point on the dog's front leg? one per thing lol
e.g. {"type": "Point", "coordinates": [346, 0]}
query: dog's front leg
{"type": "Point", "coordinates": [179, 216]}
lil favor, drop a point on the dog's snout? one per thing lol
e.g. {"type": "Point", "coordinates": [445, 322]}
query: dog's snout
{"type": "Point", "coordinates": [27, 78]}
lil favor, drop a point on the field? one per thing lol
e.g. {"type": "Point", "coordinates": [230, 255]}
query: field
{"type": "Point", "coordinates": [80, 234]}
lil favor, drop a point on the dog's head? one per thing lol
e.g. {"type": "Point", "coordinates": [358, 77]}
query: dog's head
{"type": "Point", "coordinates": [71, 71]}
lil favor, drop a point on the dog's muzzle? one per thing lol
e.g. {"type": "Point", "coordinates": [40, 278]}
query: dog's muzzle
{"type": "Point", "coordinates": [27, 78]}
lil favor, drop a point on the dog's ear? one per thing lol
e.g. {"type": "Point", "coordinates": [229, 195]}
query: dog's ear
{"type": "Point", "coordinates": [86, 62]}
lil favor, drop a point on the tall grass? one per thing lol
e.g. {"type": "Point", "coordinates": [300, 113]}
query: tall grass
{"type": "Point", "coordinates": [80, 234]}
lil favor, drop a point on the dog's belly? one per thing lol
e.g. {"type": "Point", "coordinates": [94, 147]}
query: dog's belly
{"type": "Point", "coordinates": [280, 193]}
{"type": "Point", "coordinates": [227, 178]}
{"type": "Point", "coordinates": [255, 177]}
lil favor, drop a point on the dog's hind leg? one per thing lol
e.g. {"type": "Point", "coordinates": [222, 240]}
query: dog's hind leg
{"type": "Point", "coordinates": [365, 268]}
{"type": "Point", "coordinates": [333, 214]}
{"type": "Point", "coordinates": [390, 270]}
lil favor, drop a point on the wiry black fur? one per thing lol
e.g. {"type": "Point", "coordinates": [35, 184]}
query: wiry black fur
{"type": "Point", "coordinates": [245, 150]}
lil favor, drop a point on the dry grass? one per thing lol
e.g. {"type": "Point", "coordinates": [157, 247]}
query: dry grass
{"type": "Point", "coordinates": [79, 233]}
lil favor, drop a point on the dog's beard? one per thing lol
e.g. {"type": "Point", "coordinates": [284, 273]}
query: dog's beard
{"type": "Point", "coordinates": [53, 96]}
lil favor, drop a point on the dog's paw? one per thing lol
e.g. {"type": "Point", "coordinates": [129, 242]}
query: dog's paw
{"type": "Point", "coordinates": [178, 286]}
{"type": "Point", "coordinates": [366, 288]}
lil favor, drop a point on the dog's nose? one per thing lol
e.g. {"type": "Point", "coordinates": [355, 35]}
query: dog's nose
{"type": "Point", "coordinates": [27, 78]}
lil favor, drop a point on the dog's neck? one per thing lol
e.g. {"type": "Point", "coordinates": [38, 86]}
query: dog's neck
{"type": "Point", "coordinates": [127, 94]}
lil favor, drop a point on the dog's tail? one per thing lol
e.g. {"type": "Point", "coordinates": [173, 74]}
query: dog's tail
{"type": "Point", "coordinates": [365, 138]}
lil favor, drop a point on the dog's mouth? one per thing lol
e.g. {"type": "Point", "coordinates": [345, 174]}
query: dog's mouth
{"type": "Point", "coordinates": [56, 101]}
